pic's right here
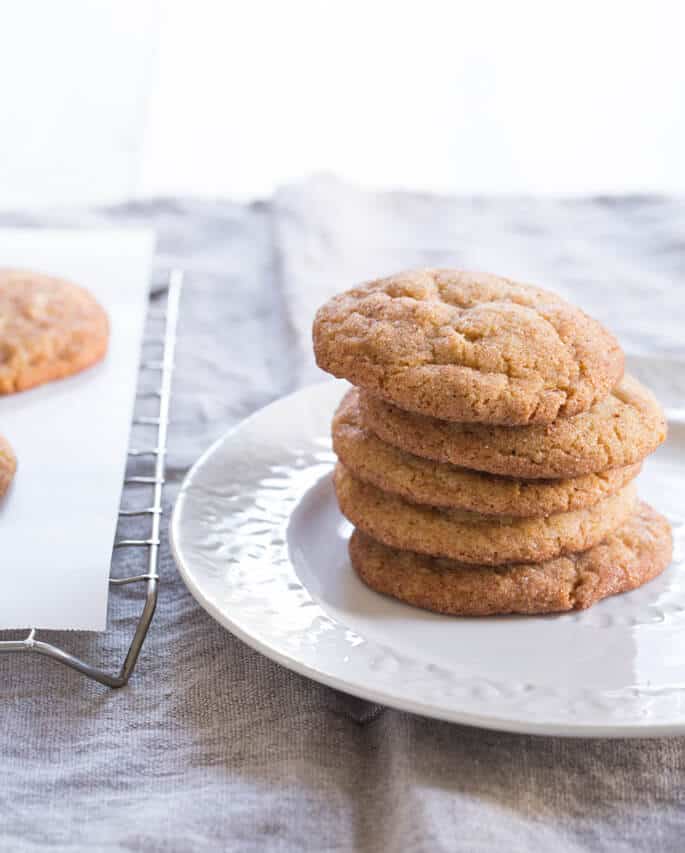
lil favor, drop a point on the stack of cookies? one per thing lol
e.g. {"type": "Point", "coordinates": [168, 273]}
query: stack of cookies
{"type": "Point", "coordinates": [488, 454]}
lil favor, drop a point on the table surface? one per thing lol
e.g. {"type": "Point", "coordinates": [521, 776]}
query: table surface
{"type": "Point", "coordinates": [212, 746]}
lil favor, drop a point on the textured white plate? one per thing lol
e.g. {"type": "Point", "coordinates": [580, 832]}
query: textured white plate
{"type": "Point", "coordinates": [261, 545]}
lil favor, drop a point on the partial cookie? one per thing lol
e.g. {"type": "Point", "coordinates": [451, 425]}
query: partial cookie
{"type": "Point", "coordinates": [628, 558]}
{"type": "Point", "coordinates": [49, 329]}
{"type": "Point", "coordinates": [443, 485]}
{"type": "Point", "coordinates": [8, 465]}
{"type": "Point", "coordinates": [618, 431]}
{"type": "Point", "coordinates": [468, 347]}
{"type": "Point", "coordinates": [474, 538]}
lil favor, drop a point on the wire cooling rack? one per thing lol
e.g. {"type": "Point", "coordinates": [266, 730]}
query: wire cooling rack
{"type": "Point", "coordinates": [155, 480]}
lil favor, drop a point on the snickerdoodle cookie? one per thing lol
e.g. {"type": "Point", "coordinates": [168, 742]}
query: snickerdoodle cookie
{"type": "Point", "coordinates": [49, 329]}
{"type": "Point", "coordinates": [472, 537]}
{"type": "Point", "coordinates": [629, 557]}
{"type": "Point", "coordinates": [424, 481]}
{"type": "Point", "coordinates": [8, 465]}
{"type": "Point", "coordinates": [618, 431]}
{"type": "Point", "coordinates": [468, 347]}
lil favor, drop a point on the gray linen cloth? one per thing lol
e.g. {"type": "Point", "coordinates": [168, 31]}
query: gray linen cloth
{"type": "Point", "coordinates": [212, 746]}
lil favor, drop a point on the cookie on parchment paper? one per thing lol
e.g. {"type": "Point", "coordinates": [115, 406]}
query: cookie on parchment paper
{"type": "Point", "coordinates": [49, 329]}
{"type": "Point", "coordinates": [8, 465]}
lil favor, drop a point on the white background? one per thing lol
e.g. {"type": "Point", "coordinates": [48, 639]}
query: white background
{"type": "Point", "coordinates": [104, 99]}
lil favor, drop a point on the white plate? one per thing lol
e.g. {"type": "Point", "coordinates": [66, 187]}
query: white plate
{"type": "Point", "coordinates": [261, 545]}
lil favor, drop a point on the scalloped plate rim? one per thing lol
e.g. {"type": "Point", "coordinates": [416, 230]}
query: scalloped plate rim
{"type": "Point", "coordinates": [492, 721]}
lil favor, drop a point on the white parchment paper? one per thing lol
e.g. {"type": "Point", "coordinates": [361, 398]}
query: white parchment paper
{"type": "Point", "coordinates": [58, 520]}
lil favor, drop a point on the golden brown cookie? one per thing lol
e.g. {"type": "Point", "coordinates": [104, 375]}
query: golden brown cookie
{"type": "Point", "coordinates": [49, 329]}
{"type": "Point", "coordinates": [618, 431]}
{"type": "Point", "coordinates": [474, 538]}
{"type": "Point", "coordinates": [440, 484]}
{"type": "Point", "coordinates": [628, 558]}
{"type": "Point", "coordinates": [468, 347]}
{"type": "Point", "coordinates": [8, 465]}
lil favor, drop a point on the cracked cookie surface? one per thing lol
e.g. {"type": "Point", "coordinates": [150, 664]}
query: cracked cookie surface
{"type": "Point", "coordinates": [472, 537]}
{"type": "Point", "coordinates": [441, 484]}
{"type": "Point", "coordinates": [49, 329]}
{"type": "Point", "coordinates": [468, 347]}
{"type": "Point", "coordinates": [8, 465]}
{"type": "Point", "coordinates": [620, 430]}
{"type": "Point", "coordinates": [628, 558]}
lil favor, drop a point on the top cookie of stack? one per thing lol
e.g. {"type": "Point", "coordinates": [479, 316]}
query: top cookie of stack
{"type": "Point", "coordinates": [466, 382]}
{"type": "Point", "coordinates": [468, 347]}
